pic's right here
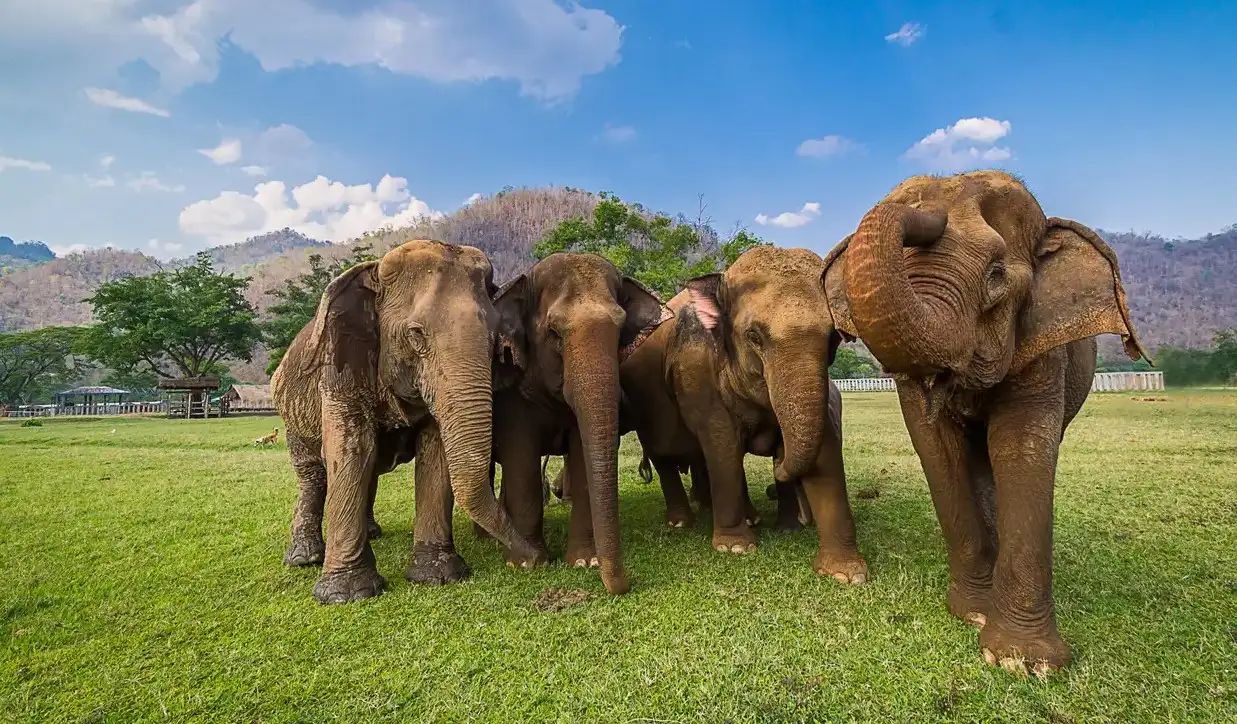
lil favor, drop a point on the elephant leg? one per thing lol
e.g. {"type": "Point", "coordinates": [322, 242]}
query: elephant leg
{"type": "Point", "coordinates": [349, 572]}
{"type": "Point", "coordinates": [723, 454]}
{"type": "Point", "coordinates": [1024, 432]}
{"type": "Point", "coordinates": [825, 487]}
{"type": "Point", "coordinates": [751, 515]}
{"type": "Point", "coordinates": [581, 547]}
{"type": "Point", "coordinates": [434, 560]}
{"type": "Point", "coordinates": [701, 492]}
{"type": "Point", "coordinates": [789, 517]}
{"type": "Point", "coordinates": [678, 509]}
{"type": "Point", "coordinates": [518, 447]}
{"type": "Point", "coordinates": [955, 473]}
{"type": "Point", "coordinates": [373, 530]}
{"type": "Point", "coordinates": [306, 547]}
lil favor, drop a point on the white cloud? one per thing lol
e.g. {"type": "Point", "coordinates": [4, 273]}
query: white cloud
{"type": "Point", "coordinates": [253, 170]}
{"type": "Point", "coordinates": [967, 143]}
{"type": "Point", "coordinates": [7, 162]}
{"type": "Point", "coordinates": [111, 99]}
{"type": "Point", "coordinates": [148, 181]}
{"type": "Point", "coordinates": [107, 161]}
{"type": "Point", "coordinates": [67, 250]}
{"type": "Point", "coordinates": [321, 209]}
{"type": "Point", "coordinates": [102, 182]}
{"type": "Point", "coordinates": [618, 134]}
{"type": "Point", "coordinates": [165, 248]}
{"type": "Point", "coordinates": [827, 146]}
{"type": "Point", "coordinates": [473, 199]}
{"type": "Point", "coordinates": [228, 151]}
{"type": "Point", "coordinates": [906, 35]}
{"type": "Point", "coordinates": [546, 46]}
{"type": "Point", "coordinates": [791, 219]}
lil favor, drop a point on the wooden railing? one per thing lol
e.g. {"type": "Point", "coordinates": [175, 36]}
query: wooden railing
{"type": "Point", "coordinates": [93, 410]}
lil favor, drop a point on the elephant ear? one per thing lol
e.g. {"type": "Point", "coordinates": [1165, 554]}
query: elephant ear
{"type": "Point", "coordinates": [345, 333]}
{"type": "Point", "coordinates": [1076, 294]}
{"type": "Point", "coordinates": [834, 279]}
{"type": "Point", "coordinates": [705, 294]}
{"type": "Point", "coordinates": [645, 313]}
{"type": "Point", "coordinates": [510, 344]}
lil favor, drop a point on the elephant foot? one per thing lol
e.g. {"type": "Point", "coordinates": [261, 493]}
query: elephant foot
{"type": "Point", "coordinates": [680, 517]}
{"type": "Point", "coordinates": [969, 603]}
{"type": "Point", "coordinates": [435, 564]}
{"type": "Point", "coordinates": [751, 516]}
{"type": "Point", "coordinates": [771, 491]}
{"type": "Point", "coordinates": [373, 530]}
{"type": "Point", "coordinates": [738, 540]}
{"type": "Point", "coordinates": [582, 555]}
{"type": "Point", "coordinates": [788, 522]}
{"type": "Point", "coordinates": [348, 585]}
{"type": "Point", "coordinates": [540, 557]}
{"type": "Point", "coordinates": [305, 550]}
{"type": "Point", "coordinates": [614, 577]}
{"type": "Point", "coordinates": [844, 566]}
{"type": "Point", "coordinates": [482, 533]}
{"type": "Point", "coordinates": [1039, 650]}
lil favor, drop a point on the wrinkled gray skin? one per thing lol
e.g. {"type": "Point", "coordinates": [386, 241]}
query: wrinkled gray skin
{"type": "Point", "coordinates": [987, 312]}
{"type": "Point", "coordinates": [396, 362]}
{"type": "Point", "coordinates": [572, 318]}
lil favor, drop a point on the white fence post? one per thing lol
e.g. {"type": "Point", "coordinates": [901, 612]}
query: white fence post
{"type": "Point", "coordinates": [1123, 381]}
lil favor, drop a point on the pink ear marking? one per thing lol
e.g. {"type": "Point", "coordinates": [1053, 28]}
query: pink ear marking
{"type": "Point", "coordinates": [706, 308]}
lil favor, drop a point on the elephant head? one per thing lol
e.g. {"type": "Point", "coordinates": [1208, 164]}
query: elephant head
{"type": "Point", "coordinates": [566, 324]}
{"type": "Point", "coordinates": [421, 326]}
{"type": "Point", "coordinates": [960, 281]}
{"type": "Point", "coordinates": [765, 311]}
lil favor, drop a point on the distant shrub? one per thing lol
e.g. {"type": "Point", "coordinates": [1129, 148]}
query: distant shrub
{"type": "Point", "coordinates": [32, 422]}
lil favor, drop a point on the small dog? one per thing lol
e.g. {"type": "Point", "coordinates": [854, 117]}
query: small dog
{"type": "Point", "coordinates": [267, 439]}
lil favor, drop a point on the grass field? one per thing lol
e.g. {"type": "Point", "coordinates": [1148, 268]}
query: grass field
{"type": "Point", "coordinates": [142, 580]}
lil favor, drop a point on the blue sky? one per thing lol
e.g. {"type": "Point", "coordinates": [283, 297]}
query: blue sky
{"type": "Point", "coordinates": [170, 125]}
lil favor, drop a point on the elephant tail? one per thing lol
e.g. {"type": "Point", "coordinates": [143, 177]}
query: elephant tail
{"type": "Point", "coordinates": [646, 470]}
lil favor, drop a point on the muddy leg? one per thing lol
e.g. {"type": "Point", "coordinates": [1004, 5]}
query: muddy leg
{"type": "Point", "coordinates": [307, 547]}
{"type": "Point", "coordinates": [434, 560]}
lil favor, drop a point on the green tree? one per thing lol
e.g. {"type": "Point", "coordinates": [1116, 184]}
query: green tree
{"type": "Point", "coordinates": [654, 249]}
{"type": "Point", "coordinates": [848, 363]}
{"type": "Point", "coordinates": [298, 301]}
{"type": "Point", "coordinates": [35, 361]}
{"type": "Point", "coordinates": [179, 322]}
{"type": "Point", "coordinates": [1224, 354]}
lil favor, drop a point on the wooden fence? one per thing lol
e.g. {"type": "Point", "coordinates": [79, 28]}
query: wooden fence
{"type": "Point", "coordinates": [866, 384]}
{"type": "Point", "coordinates": [1103, 382]}
{"type": "Point", "coordinates": [97, 410]}
{"type": "Point", "coordinates": [1122, 381]}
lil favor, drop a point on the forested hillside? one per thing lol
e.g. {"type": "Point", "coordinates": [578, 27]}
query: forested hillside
{"type": "Point", "coordinates": [17, 254]}
{"type": "Point", "coordinates": [1180, 291]}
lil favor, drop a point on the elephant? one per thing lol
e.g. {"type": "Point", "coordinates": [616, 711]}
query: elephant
{"type": "Point", "coordinates": [743, 367]}
{"type": "Point", "coordinates": [565, 326]}
{"type": "Point", "coordinates": [396, 362]}
{"type": "Point", "coordinates": [986, 312]}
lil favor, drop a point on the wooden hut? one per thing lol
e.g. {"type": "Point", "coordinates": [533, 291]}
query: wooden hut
{"type": "Point", "coordinates": [190, 396]}
{"type": "Point", "coordinates": [247, 398]}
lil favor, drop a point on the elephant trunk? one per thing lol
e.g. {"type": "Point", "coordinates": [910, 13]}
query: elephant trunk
{"type": "Point", "coordinates": [463, 408]}
{"type": "Point", "coordinates": [591, 388]}
{"type": "Point", "coordinates": [909, 333]}
{"type": "Point", "coordinates": [798, 382]}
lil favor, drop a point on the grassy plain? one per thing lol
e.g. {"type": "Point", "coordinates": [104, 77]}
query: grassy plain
{"type": "Point", "coordinates": [142, 580]}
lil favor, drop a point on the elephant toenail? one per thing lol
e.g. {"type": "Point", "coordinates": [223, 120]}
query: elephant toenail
{"type": "Point", "coordinates": [526, 564]}
{"type": "Point", "coordinates": [593, 562]}
{"type": "Point", "coordinates": [841, 578]}
{"type": "Point", "coordinates": [859, 579]}
{"type": "Point", "coordinates": [580, 563]}
{"type": "Point", "coordinates": [977, 619]}
{"type": "Point", "coordinates": [989, 657]}
{"type": "Point", "coordinates": [511, 564]}
{"type": "Point", "coordinates": [721, 548]}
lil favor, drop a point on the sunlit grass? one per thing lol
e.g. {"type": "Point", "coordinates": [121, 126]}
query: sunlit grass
{"type": "Point", "coordinates": [142, 579]}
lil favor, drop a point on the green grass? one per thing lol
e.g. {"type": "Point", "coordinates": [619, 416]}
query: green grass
{"type": "Point", "coordinates": [142, 580]}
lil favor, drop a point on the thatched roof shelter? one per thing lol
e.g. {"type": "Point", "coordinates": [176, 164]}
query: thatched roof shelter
{"type": "Point", "coordinates": [248, 397]}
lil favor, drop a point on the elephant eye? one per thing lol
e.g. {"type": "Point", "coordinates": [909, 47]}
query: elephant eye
{"type": "Point", "coordinates": [997, 283]}
{"type": "Point", "coordinates": [753, 336]}
{"type": "Point", "coordinates": [417, 339]}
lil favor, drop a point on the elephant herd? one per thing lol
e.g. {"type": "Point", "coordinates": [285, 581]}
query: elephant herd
{"type": "Point", "coordinates": [984, 309]}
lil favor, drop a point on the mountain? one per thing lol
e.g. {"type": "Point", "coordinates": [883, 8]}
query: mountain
{"type": "Point", "coordinates": [16, 255]}
{"type": "Point", "coordinates": [1180, 291]}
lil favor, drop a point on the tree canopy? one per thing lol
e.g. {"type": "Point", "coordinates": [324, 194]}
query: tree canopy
{"type": "Point", "coordinates": [35, 361]}
{"type": "Point", "coordinates": [182, 322]}
{"type": "Point", "coordinates": [848, 363]}
{"type": "Point", "coordinates": [298, 301]}
{"type": "Point", "coordinates": [1217, 365]}
{"type": "Point", "coordinates": [654, 249]}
